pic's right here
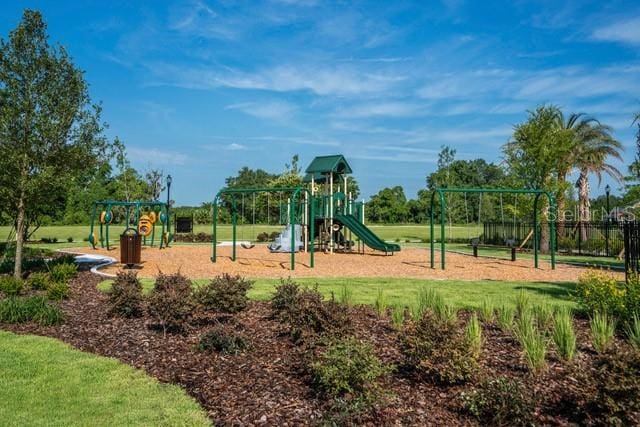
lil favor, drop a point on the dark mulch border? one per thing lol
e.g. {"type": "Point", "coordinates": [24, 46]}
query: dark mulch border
{"type": "Point", "coordinates": [268, 384]}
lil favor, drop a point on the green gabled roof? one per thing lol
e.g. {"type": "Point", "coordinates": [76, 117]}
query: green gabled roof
{"type": "Point", "coordinates": [327, 164]}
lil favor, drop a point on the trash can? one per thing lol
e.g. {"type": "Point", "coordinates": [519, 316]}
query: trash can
{"type": "Point", "coordinates": [130, 247]}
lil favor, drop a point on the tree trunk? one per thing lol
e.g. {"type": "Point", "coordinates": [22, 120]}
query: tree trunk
{"type": "Point", "coordinates": [19, 237]}
{"type": "Point", "coordinates": [584, 209]}
{"type": "Point", "coordinates": [560, 204]}
{"type": "Point", "coordinates": [544, 229]}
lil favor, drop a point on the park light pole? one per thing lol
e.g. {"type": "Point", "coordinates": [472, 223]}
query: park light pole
{"type": "Point", "coordinates": [607, 191]}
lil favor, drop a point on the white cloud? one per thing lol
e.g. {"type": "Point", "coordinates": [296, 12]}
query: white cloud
{"type": "Point", "coordinates": [624, 31]}
{"type": "Point", "coordinates": [235, 147]}
{"type": "Point", "coordinates": [319, 79]}
{"type": "Point", "coordinates": [382, 109]}
{"type": "Point", "coordinates": [156, 157]}
{"type": "Point", "coordinates": [272, 110]}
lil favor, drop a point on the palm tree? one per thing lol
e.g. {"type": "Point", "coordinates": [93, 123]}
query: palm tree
{"type": "Point", "coordinates": [595, 146]}
{"type": "Point", "coordinates": [571, 133]}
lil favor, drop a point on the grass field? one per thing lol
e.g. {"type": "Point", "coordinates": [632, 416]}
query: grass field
{"type": "Point", "coordinates": [44, 382]}
{"type": "Point", "coordinates": [410, 232]}
{"type": "Point", "coordinates": [463, 294]}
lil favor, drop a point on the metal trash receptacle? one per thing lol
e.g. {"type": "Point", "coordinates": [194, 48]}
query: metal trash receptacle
{"type": "Point", "coordinates": [130, 247]}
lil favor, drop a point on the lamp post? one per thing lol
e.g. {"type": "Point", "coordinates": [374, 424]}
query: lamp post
{"type": "Point", "coordinates": [169, 181]}
{"type": "Point", "coordinates": [607, 191]}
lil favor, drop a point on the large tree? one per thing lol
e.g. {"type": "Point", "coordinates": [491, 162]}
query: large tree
{"type": "Point", "coordinates": [595, 146]}
{"type": "Point", "coordinates": [536, 155]}
{"type": "Point", "coordinates": [50, 132]}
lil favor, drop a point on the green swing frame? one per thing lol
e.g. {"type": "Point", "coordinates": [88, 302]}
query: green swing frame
{"type": "Point", "coordinates": [440, 192]}
{"type": "Point", "coordinates": [296, 191]}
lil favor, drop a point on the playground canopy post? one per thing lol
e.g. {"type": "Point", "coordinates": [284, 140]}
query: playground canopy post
{"type": "Point", "coordinates": [536, 239]}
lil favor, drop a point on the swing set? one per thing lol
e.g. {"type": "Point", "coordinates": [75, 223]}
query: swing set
{"type": "Point", "coordinates": [440, 192]}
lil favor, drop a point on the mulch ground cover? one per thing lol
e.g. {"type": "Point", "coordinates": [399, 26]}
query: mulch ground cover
{"type": "Point", "coordinates": [269, 385]}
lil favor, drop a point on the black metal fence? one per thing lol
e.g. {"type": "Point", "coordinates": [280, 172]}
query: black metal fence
{"type": "Point", "coordinates": [631, 232]}
{"type": "Point", "coordinates": [605, 238]}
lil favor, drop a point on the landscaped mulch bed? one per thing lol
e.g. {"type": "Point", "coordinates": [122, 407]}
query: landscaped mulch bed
{"type": "Point", "coordinates": [268, 384]}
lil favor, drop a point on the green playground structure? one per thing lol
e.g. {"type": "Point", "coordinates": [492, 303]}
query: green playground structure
{"type": "Point", "coordinates": [323, 211]}
{"type": "Point", "coordinates": [143, 216]}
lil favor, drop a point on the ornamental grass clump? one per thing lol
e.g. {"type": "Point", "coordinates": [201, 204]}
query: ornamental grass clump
{"type": "Point", "coordinates": [603, 328]}
{"type": "Point", "coordinates": [633, 331]}
{"type": "Point", "coordinates": [473, 333]}
{"type": "Point", "coordinates": [381, 303]}
{"type": "Point", "coordinates": [397, 316]}
{"type": "Point", "coordinates": [345, 296]}
{"type": "Point", "coordinates": [532, 340]}
{"type": "Point", "coordinates": [487, 311]}
{"type": "Point", "coordinates": [505, 316]}
{"type": "Point", "coordinates": [564, 334]}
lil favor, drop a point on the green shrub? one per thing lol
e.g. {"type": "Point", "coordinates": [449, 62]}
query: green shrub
{"type": "Point", "coordinates": [125, 297]}
{"type": "Point", "coordinates": [62, 273]}
{"type": "Point", "coordinates": [224, 294]}
{"type": "Point", "coordinates": [564, 334]}
{"type": "Point", "coordinates": [25, 309]}
{"type": "Point", "coordinates": [428, 298]}
{"type": "Point", "coordinates": [170, 303]}
{"type": "Point", "coordinates": [285, 296]}
{"type": "Point", "coordinates": [487, 311]}
{"type": "Point", "coordinates": [615, 399]}
{"type": "Point", "coordinates": [347, 366]}
{"type": "Point", "coordinates": [501, 402]}
{"type": "Point", "coordinates": [48, 315]}
{"type": "Point", "coordinates": [603, 328]}
{"type": "Point", "coordinates": [439, 351]}
{"type": "Point", "coordinates": [473, 333]}
{"type": "Point", "coordinates": [310, 314]}
{"type": "Point", "coordinates": [633, 331]}
{"type": "Point", "coordinates": [600, 292]}
{"type": "Point", "coordinates": [58, 291]}
{"type": "Point", "coordinates": [381, 303]}
{"type": "Point", "coordinates": [10, 286]}
{"type": "Point", "coordinates": [39, 281]}
{"type": "Point", "coordinates": [224, 340]}
{"type": "Point", "coordinates": [505, 316]}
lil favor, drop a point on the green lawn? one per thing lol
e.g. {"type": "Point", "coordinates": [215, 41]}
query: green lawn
{"type": "Point", "coordinates": [505, 253]}
{"type": "Point", "coordinates": [78, 233]}
{"type": "Point", "coordinates": [44, 382]}
{"type": "Point", "coordinates": [462, 294]}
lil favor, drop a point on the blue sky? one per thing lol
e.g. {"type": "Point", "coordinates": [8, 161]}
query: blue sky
{"type": "Point", "coordinates": [202, 88]}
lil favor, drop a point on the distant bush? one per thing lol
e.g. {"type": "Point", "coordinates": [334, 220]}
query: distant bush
{"type": "Point", "coordinates": [223, 339]}
{"type": "Point", "coordinates": [70, 239]}
{"type": "Point", "coordinates": [10, 286]}
{"type": "Point", "coordinates": [501, 402]}
{"type": "Point", "coordinates": [439, 351]}
{"type": "Point", "coordinates": [273, 235]}
{"type": "Point", "coordinates": [125, 297]}
{"type": "Point", "coordinates": [49, 240]}
{"type": "Point", "coordinates": [224, 294]}
{"type": "Point", "coordinates": [170, 302]}
{"type": "Point", "coordinates": [262, 237]}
